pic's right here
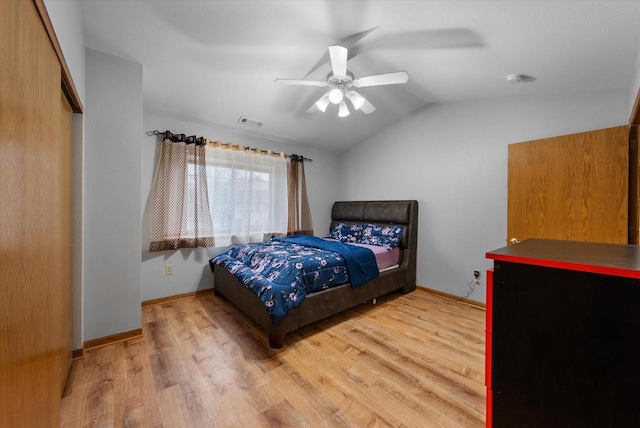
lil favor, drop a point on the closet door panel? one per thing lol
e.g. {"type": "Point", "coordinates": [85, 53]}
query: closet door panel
{"type": "Point", "coordinates": [634, 186]}
{"type": "Point", "coordinates": [66, 237]}
{"type": "Point", "coordinates": [531, 194]}
{"type": "Point", "coordinates": [35, 212]}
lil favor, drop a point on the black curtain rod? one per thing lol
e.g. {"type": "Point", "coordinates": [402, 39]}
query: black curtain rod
{"type": "Point", "coordinates": [179, 138]}
{"type": "Point", "coordinates": [200, 141]}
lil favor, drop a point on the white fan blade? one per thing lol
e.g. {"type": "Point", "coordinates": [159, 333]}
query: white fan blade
{"type": "Point", "coordinates": [348, 42]}
{"type": "Point", "coordinates": [382, 79]}
{"type": "Point", "coordinates": [301, 82]}
{"type": "Point", "coordinates": [338, 56]}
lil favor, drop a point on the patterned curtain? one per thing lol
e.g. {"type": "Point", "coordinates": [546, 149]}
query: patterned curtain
{"type": "Point", "coordinates": [299, 212]}
{"type": "Point", "coordinates": [180, 215]}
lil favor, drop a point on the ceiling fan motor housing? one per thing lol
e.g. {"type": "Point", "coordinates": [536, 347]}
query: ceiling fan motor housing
{"type": "Point", "coordinates": [343, 83]}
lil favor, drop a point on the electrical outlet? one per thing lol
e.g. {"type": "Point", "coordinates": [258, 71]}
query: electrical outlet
{"type": "Point", "coordinates": [168, 269]}
{"type": "Point", "coordinates": [476, 274]}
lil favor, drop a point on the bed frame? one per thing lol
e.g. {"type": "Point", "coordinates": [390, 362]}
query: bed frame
{"type": "Point", "coordinates": [323, 304]}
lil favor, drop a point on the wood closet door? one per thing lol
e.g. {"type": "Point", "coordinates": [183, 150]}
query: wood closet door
{"type": "Point", "coordinates": [65, 237]}
{"type": "Point", "coordinates": [573, 187]}
{"type": "Point", "coordinates": [35, 222]}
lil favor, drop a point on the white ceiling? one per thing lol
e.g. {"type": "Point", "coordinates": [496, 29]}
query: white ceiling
{"type": "Point", "coordinates": [214, 61]}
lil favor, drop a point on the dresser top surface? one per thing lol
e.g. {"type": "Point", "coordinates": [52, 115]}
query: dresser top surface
{"type": "Point", "coordinates": [609, 259]}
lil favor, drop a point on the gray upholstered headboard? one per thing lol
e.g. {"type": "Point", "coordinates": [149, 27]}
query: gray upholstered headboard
{"type": "Point", "coordinates": [383, 213]}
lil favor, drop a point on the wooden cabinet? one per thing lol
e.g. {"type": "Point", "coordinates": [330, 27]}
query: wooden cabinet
{"type": "Point", "coordinates": [563, 342]}
{"type": "Point", "coordinates": [35, 218]}
{"type": "Point", "coordinates": [573, 187]}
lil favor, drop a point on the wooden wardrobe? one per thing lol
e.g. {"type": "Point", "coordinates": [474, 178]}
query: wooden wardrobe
{"type": "Point", "coordinates": [37, 101]}
{"type": "Point", "coordinates": [577, 187]}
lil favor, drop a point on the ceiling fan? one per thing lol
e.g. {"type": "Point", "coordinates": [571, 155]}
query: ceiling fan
{"type": "Point", "coordinates": [341, 82]}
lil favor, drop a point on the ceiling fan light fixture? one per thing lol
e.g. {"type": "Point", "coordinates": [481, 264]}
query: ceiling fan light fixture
{"type": "Point", "coordinates": [339, 83]}
{"type": "Point", "coordinates": [336, 96]}
{"type": "Point", "coordinates": [323, 102]}
{"type": "Point", "coordinates": [344, 110]}
{"type": "Point", "coordinates": [356, 99]}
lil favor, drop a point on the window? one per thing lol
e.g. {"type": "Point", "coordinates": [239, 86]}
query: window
{"type": "Point", "coordinates": [247, 195]}
{"type": "Point", "coordinates": [213, 196]}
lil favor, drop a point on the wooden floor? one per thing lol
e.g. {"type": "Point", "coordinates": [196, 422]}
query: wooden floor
{"type": "Point", "coordinates": [409, 361]}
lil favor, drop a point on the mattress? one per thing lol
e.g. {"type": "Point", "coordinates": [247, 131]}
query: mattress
{"type": "Point", "coordinates": [385, 259]}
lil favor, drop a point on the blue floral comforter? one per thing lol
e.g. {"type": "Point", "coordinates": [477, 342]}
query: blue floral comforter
{"type": "Point", "coordinates": [283, 270]}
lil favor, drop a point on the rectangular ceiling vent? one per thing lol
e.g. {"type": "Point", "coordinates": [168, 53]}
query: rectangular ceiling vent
{"type": "Point", "coordinates": [250, 122]}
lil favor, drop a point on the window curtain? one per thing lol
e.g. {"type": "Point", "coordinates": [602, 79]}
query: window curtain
{"type": "Point", "coordinates": [247, 194]}
{"type": "Point", "coordinates": [180, 216]}
{"type": "Point", "coordinates": [299, 217]}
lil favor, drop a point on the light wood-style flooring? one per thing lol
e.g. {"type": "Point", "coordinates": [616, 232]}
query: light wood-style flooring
{"type": "Point", "coordinates": [413, 360]}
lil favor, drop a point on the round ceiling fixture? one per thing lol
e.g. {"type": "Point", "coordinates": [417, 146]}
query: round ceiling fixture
{"type": "Point", "coordinates": [336, 96]}
{"type": "Point", "coordinates": [519, 78]}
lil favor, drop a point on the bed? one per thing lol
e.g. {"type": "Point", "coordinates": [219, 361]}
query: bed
{"type": "Point", "coordinates": [322, 304]}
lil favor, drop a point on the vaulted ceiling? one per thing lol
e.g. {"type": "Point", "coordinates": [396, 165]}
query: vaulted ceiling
{"type": "Point", "coordinates": [215, 61]}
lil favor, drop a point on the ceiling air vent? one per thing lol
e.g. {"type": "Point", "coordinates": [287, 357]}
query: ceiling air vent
{"type": "Point", "coordinates": [519, 78]}
{"type": "Point", "coordinates": [250, 122]}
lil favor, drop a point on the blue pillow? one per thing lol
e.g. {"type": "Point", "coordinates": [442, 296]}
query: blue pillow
{"type": "Point", "coordinates": [383, 236]}
{"type": "Point", "coordinates": [345, 233]}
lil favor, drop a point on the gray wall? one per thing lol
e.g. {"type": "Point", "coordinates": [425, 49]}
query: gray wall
{"type": "Point", "coordinates": [452, 158]}
{"type": "Point", "coordinates": [112, 180]}
{"type": "Point", "coordinates": [635, 85]}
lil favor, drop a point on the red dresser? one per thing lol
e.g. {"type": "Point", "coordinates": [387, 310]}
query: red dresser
{"type": "Point", "coordinates": [563, 335]}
